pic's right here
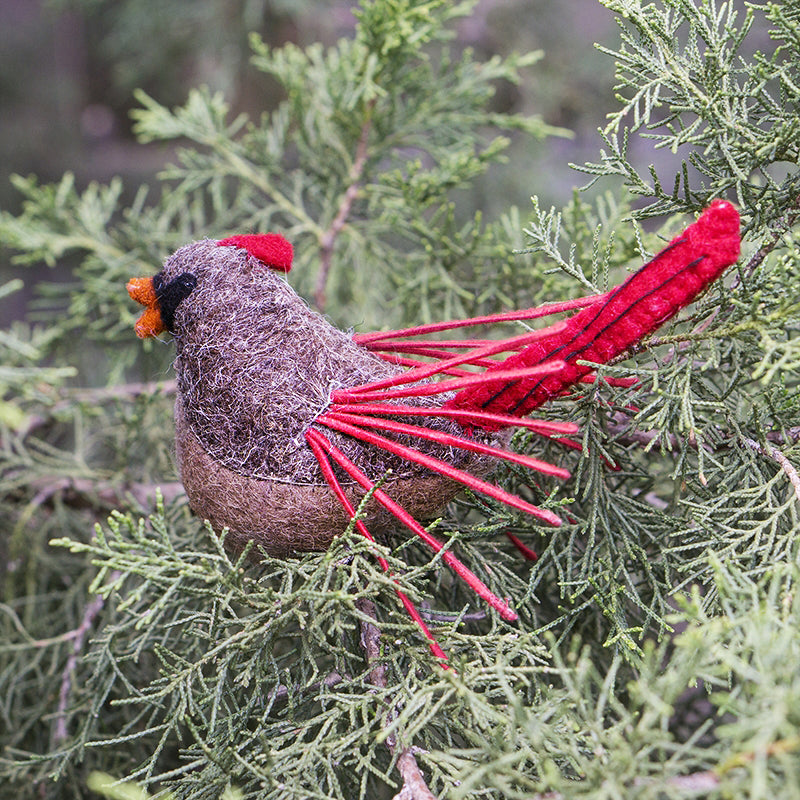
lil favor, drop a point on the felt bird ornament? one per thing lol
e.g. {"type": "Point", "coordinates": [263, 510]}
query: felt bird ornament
{"type": "Point", "coordinates": [284, 423]}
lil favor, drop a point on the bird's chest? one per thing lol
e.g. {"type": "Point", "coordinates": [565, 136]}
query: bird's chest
{"type": "Point", "coordinates": [252, 389]}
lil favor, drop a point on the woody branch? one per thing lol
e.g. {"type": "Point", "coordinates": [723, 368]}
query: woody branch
{"type": "Point", "coordinates": [328, 239]}
{"type": "Point", "coordinates": [414, 785]}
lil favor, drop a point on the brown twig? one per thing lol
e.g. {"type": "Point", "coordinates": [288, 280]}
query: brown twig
{"type": "Point", "coordinates": [281, 692]}
{"type": "Point", "coordinates": [414, 785]}
{"type": "Point", "coordinates": [788, 222]}
{"type": "Point", "coordinates": [124, 391]}
{"type": "Point", "coordinates": [78, 637]}
{"type": "Point", "coordinates": [370, 641]}
{"type": "Point", "coordinates": [86, 491]}
{"type": "Point", "coordinates": [95, 396]}
{"type": "Point", "coordinates": [695, 782]}
{"type": "Point", "coordinates": [619, 428]}
{"type": "Point", "coordinates": [779, 458]}
{"type": "Point", "coordinates": [790, 435]}
{"type": "Point", "coordinates": [708, 779]}
{"type": "Point", "coordinates": [328, 239]}
{"type": "Point", "coordinates": [776, 748]}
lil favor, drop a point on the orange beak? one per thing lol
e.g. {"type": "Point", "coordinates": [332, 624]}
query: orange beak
{"type": "Point", "coordinates": [150, 323]}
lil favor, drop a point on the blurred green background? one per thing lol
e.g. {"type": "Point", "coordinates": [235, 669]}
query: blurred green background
{"type": "Point", "coordinates": [68, 69]}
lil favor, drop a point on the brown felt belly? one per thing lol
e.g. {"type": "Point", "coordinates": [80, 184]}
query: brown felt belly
{"type": "Point", "coordinates": [288, 518]}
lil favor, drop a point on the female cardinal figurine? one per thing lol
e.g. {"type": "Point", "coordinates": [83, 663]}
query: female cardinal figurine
{"type": "Point", "coordinates": [284, 423]}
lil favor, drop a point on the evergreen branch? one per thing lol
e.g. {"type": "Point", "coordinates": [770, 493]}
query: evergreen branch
{"type": "Point", "coordinates": [786, 223]}
{"type": "Point", "coordinates": [202, 121]}
{"type": "Point", "coordinates": [327, 241]}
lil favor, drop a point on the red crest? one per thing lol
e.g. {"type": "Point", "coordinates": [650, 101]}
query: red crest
{"type": "Point", "coordinates": [269, 248]}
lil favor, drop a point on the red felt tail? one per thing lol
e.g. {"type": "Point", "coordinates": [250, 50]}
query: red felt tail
{"type": "Point", "coordinates": [631, 311]}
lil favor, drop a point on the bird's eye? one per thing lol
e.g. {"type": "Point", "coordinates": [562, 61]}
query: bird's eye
{"type": "Point", "coordinates": [171, 293]}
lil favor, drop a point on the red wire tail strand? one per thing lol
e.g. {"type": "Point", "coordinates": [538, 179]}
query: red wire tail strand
{"type": "Point", "coordinates": [492, 319]}
{"type": "Point", "coordinates": [463, 572]}
{"type": "Point", "coordinates": [529, 554]}
{"type": "Point", "coordinates": [415, 349]}
{"type": "Point", "coordinates": [429, 370]}
{"type": "Point", "coordinates": [393, 358]}
{"type": "Point", "coordinates": [336, 487]}
{"type": "Point", "coordinates": [500, 377]}
{"type": "Point", "coordinates": [478, 418]}
{"type": "Point", "coordinates": [442, 467]}
{"type": "Point", "coordinates": [449, 440]}
{"type": "Point", "coordinates": [625, 315]}
{"type": "Point", "coordinates": [432, 344]}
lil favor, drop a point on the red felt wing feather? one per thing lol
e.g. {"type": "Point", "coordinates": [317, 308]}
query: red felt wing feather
{"type": "Point", "coordinates": [631, 311]}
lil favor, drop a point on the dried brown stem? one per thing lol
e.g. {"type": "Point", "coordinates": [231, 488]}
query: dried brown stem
{"type": "Point", "coordinates": [696, 782]}
{"type": "Point", "coordinates": [790, 435]}
{"type": "Point", "coordinates": [281, 692]}
{"type": "Point", "coordinates": [78, 636]}
{"type": "Point", "coordinates": [328, 239]}
{"type": "Point", "coordinates": [776, 748]}
{"type": "Point", "coordinates": [788, 221]}
{"type": "Point", "coordinates": [370, 641]}
{"type": "Point", "coordinates": [95, 396]}
{"type": "Point", "coordinates": [708, 779]}
{"type": "Point", "coordinates": [93, 493]}
{"type": "Point", "coordinates": [125, 391]}
{"type": "Point", "coordinates": [618, 428]}
{"type": "Point", "coordinates": [779, 458]}
{"type": "Point", "coordinates": [414, 785]}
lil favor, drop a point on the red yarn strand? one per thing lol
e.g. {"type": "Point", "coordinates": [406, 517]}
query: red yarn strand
{"type": "Point", "coordinates": [394, 358]}
{"type": "Point", "coordinates": [504, 316]}
{"type": "Point", "coordinates": [422, 349]}
{"type": "Point", "coordinates": [429, 370]}
{"type": "Point", "coordinates": [443, 468]}
{"type": "Point", "coordinates": [543, 426]}
{"type": "Point", "coordinates": [435, 344]}
{"type": "Point", "coordinates": [367, 391]}
{"type": "Point", "coordinates": [469, 577]}
{"type": "Point", "coordinates": [449, 440]}
{"type": "Point", "coordinates": [529, 554]}
{"type": "Point", "coordinates": [336, 487]}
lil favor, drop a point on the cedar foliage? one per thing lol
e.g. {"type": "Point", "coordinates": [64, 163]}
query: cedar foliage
{"type": "Point", "coordinates": [659, 635]}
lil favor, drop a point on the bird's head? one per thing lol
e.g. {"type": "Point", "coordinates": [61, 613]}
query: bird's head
{"type": "Point", "coordinates": [163, 293]}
